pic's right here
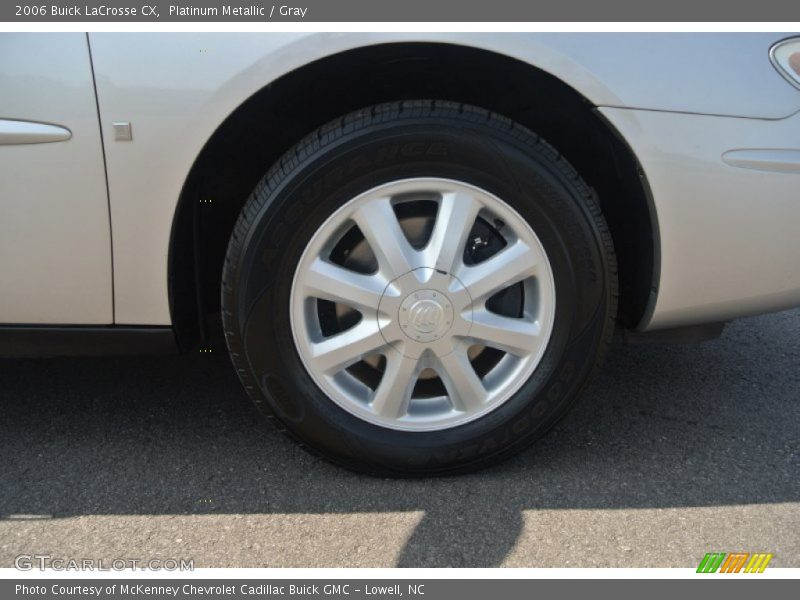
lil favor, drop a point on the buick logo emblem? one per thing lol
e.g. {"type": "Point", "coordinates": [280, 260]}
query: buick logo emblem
{"type": "Point", "coordinates": [425, 315]}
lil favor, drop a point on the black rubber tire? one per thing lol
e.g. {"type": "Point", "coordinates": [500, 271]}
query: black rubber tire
{"type": "Point", "coordinates": [392, 141]}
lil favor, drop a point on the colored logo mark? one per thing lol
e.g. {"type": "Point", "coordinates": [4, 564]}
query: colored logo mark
{"type": "Point", "coordinates": [736, 562]}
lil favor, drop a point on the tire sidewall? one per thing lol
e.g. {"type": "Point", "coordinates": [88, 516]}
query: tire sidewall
{"type": "Point", "coordinates": [526, 176]}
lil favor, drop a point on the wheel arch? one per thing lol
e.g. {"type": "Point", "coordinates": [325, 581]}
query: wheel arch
{"type": "Point", "coordinates": [271, 121]}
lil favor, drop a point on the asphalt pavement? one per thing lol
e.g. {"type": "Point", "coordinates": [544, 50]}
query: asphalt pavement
{"type": "Point", "coordinates": [674, 451]}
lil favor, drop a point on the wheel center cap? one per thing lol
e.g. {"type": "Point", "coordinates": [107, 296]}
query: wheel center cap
{"type": "Point", "coordinates": [425, 315]}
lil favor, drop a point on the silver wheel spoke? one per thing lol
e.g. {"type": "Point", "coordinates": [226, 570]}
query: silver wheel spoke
{"type": "Point", "coordinates": [331, 282]}
{"type": "Point", "coordinates": [393, 393]}
{"type": "Point", "coordinates": [519, 337]}
{"type": "Point", "coordinates": [509, 266]}
{"type": "Point", "coordinates": [454, 221]}
{"type": "Point", "coordinates": [343, 349]}
{"type": "Point", "coordinates": [463, 385]}
{"type": "Point", "coordinates": [384, 235]}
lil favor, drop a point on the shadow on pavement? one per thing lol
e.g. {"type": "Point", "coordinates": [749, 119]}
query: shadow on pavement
{"type": "Point", "coordinates": [704, 425]}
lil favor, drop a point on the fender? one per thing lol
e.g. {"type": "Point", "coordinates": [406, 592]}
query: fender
{"type": "Point", "coordinates": [176, 89]}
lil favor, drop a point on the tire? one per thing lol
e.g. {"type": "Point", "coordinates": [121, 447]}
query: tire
{"type": "Point", "coordinates": [274, 329]}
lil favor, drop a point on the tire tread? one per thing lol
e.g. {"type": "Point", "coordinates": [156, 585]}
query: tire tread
{"type": "Point", "coordinates": [317, 142]}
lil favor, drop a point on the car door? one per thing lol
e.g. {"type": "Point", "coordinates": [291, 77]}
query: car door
{"type": "Point", "coordinates": [55, 237]}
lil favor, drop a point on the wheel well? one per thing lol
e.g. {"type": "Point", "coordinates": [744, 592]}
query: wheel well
{"type": "Point", "coordinates": [271, 121]}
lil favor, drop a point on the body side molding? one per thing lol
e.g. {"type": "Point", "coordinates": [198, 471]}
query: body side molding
{"type": "Point", "coordinates": [764, 159]}
{"type": "Point", "coordinates": [14, 132]}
